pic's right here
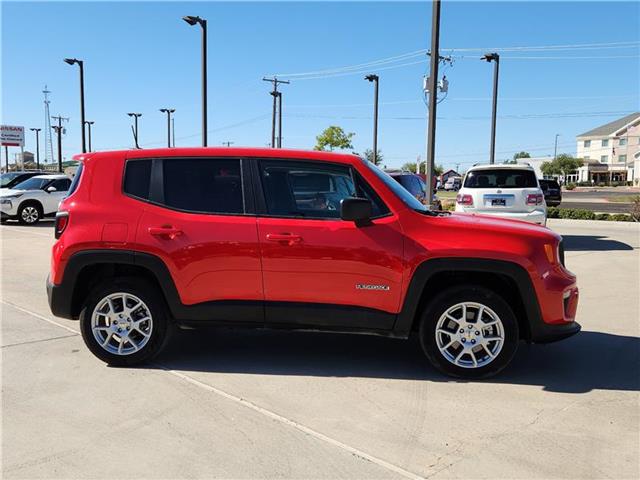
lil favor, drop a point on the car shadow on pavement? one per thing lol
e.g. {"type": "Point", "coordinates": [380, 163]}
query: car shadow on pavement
{"type": "Point", "coordinates": [597, 243]}
{"type": "Point", "coordinates": [584, 362]}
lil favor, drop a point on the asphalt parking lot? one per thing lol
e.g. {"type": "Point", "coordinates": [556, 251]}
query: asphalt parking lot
{"type": "Point", "coordinates": [238, 404]}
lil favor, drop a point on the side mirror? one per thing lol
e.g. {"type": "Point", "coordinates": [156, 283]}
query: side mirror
{"type": "Point", "coordinates": [51, 189]}
{"type": "Point", "coordinates": [356, 210]}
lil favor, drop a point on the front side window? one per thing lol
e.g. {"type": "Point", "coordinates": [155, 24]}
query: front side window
{"type": "Point", "coordinates": [587, 143]}
{"type": "Point", "coordinates": [501, 178]}
{"type": "Point", "coordinates": [605, 143]}
{"type": "Point", "coordinates": [203, 185]}
{"type": "Point", "coordinates": [310, 190]}
{"type": "Point", "coordinates": [61, 184]}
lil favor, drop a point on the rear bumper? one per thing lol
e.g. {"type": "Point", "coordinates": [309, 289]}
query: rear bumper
{"type": "Point", "coordinates": [59, 300]}
{"type": "Point", "coordinates": [537, 216]}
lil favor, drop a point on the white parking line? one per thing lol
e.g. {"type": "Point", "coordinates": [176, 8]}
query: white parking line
{"type": "Point", "coordinates": [30, 232]}
{"type": "Point", "coordinates": [252, 406]}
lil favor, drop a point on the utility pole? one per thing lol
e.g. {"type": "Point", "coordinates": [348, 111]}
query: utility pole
{"type": "Point", "coordinates": [168, 111]}
{"type": "Point", "coordinates": [37, 130]}
{"type": "Point", "coordinates": [173, 132]}
{"type": "Point", "coordinates": [135, 128]}
{"type": "Point", "coordinates": [375, 79]}
{"type": "Point", "coordinates": [555, 148]}
{"type": "Point", "coordinates": [6, 159]}
{"type": "Point", "coordinates": [59, 129]}
{"type": "Point", "coordinates": [279, 119]}
{"type": "Point", "coordinates": [457, 167]}
{"type": "Point", "coordinates": [276, 98]}
{"type": "Point", "coordinates": [228, 144]}
{"type": "Point", "coordinates": [493, 57]}
{"type": "Point", "coordinates": [192, 20]}
{"type": "Point", "coordinates": [80, 64]}
{"type": "Point", "coordinates": [89, 128]}
{"type": "Point", "coordinates": [433, 94]}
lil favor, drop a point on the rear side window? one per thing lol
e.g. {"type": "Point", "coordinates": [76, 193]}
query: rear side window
{"type": "Point", "coordinates": [76, 180]}
{"type": "Point", "coordinates": [497, 178]}
{"type": "Point", "coordinates": [203, 185]}
{"type": "Point", "coordinates": [137, 178]}
{"type": "Point", "coordinates": [61, 185]}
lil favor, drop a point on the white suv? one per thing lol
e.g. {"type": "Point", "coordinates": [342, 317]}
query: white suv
{"type": "Point", "coordinates": [505, 190]}
{"type": "Point", "coordinates": [33, 199]}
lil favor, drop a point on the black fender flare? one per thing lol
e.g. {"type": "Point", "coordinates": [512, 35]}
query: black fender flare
{"type": "Point", "coordinates": [429, 268]}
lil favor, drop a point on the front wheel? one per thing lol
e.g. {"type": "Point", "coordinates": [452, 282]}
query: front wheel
{"type": "Point", "coordinates": [29, 213]}
{"type": "Point", "coordinates": [469, 332]}
{"type": "Point", "coordinates": [124, 322]}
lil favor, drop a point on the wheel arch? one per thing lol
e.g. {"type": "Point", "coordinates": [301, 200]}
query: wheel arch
{"type": "Point", "coordinates": [31, 201]}
{"type": "Point", "coordinates": [86, 269]}
{"type": "Point", "coordinates": [507, 279]}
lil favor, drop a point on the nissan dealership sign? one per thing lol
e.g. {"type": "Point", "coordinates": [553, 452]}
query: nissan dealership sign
{"type": "Point", "coordinates": [11, 136]}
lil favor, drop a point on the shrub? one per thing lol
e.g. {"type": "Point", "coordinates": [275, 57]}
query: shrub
{"type": "Point", "coordinates": [570, 186]}
{"type": "Point", "coordinates": [602, 216]}
{"type": "Point", "coordinates": [621, 217]}
{"type": "Point", "coordinates": [553, 212]}
{"type": "Point", "coordinates": [635, 209]}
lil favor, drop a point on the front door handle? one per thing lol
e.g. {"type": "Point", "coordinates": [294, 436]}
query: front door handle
{"type": "Point", "coordinates": [284, 237]}
{"type": "Point", "coordinates": [165, 231]}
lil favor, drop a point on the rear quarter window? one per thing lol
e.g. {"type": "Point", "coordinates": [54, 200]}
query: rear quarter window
{"type": "Point", "coordinates": [137, 178]}
{"type": "Point", "coordinates": [75, 181]}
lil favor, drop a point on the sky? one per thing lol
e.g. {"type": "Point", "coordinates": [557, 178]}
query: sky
{"type": "Point", "coordinates": [141, 57]}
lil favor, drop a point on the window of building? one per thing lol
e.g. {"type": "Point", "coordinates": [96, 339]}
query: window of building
{"type": "Point", "coordinates": [604, 158]}
{"type": "Point", "coordinates": [622, 158]}
{"type": "Point", "coordinates": [203, 185]}
{"type": "Point", "coordinates": [605, 142]}
{"type": "Point", "coordinates": [623, 142]}
{"type": "Point", "coordinates": [587, 143]}
{"type": "Point", "coordinates": [587, 157]}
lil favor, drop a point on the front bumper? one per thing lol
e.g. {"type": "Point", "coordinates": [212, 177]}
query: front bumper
{"type": "Point", "coordinates": [547, 333]}
{"type": "Point", "coordinates": [9, 209]}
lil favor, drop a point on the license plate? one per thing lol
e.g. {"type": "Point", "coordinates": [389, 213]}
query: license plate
{"type": "Point", "coordinates": [498, 202]}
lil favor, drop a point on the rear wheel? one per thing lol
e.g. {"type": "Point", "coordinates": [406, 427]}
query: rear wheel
{"type": "Point", "coordinates": [124, 322]}
{"type": "Point", "coordinates": [29, 213]}
{"type": "Point", "coordinates": [469, 332]}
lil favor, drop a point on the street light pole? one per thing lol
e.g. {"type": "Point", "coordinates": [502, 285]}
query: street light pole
{"type": "Point", "coordinates": [89, 131]}
{"type": "Point", "coordinates": [168, 111]}
{"type": "Point", "coordinates": [493, 57]}
{"type": "Point", "coordinates": [191, 20]}
{"type": "Point", "coordinates": [433, 94]}
{"type": "Point", "coordinates": [135, 130]}
{"type": "Point", "coordinates": [80, 64]}
{"type": "Point", "coordinates": [375, 79]}
{"type": "Point", "coordinates": [279, 119]}
{"type": "Point", "coordinates": [37, 130]}
{"type": "Point", "coordinates": [555, 147]}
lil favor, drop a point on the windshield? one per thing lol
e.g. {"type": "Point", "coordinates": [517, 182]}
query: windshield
{"type": "Point", "coordinates": [7, 177]}
{"type": "Point", "coordinates": [501, 178]}
{"type": "Point", "coordinates": [400, 192]}
{"type": "Point", "coordinates": [34, 183]}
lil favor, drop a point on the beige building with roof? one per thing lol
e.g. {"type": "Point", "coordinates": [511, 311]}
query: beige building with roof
{"type": "Point", "coordinates": [611, 152]}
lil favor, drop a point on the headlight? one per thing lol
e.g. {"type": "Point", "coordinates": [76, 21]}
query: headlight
{"type": "Point", "coordinates": [9, 197]}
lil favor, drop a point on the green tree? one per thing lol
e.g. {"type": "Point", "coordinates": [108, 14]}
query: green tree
{"type": "Point", "coordinates": [334, 137]}
{"type": "Point", "coordinates": [411, 166]}
{"type": "Point", "coordinates": [563, 164]}
{"type": "Point", "coordinates": [522, 154]}
{"type": "Point", "coordinates": [368, 154]}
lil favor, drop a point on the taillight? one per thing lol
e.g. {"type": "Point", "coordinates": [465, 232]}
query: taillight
{"type": "Point", "coordinates": [464, 199]}
{"type": "Point", "coordinates": [62, 220]}
{"type": "Point", "coordinates": [535, 199]}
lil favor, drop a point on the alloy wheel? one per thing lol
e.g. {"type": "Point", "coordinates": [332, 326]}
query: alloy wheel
{"type": "Point", "coordinates": [30, 214]}
{"type": "Point", "coordinates": [469, 335]}
{"type": "Point", "coordinates": [121, 323]}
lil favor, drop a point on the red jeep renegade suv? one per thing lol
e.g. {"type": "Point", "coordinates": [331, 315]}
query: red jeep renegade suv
{"type": "Point", "coordinates": [153, 239]}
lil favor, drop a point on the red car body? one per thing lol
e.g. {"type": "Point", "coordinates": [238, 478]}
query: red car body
{"type": "Point", "coordinates": [262, 264]}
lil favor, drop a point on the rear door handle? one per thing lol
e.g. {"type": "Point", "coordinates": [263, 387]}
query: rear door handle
{"type": "Point", "coordinates": [168, 232]}
{"type": "Point", "coordinates": [284, 237]}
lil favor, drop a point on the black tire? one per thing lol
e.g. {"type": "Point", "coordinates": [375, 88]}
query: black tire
{"type": "Point", "coordinates": [149, 294]}
{"type": "Point", "coordinates": [37, 211]}
{"type": "Point", "coordinates": [475, 294]}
